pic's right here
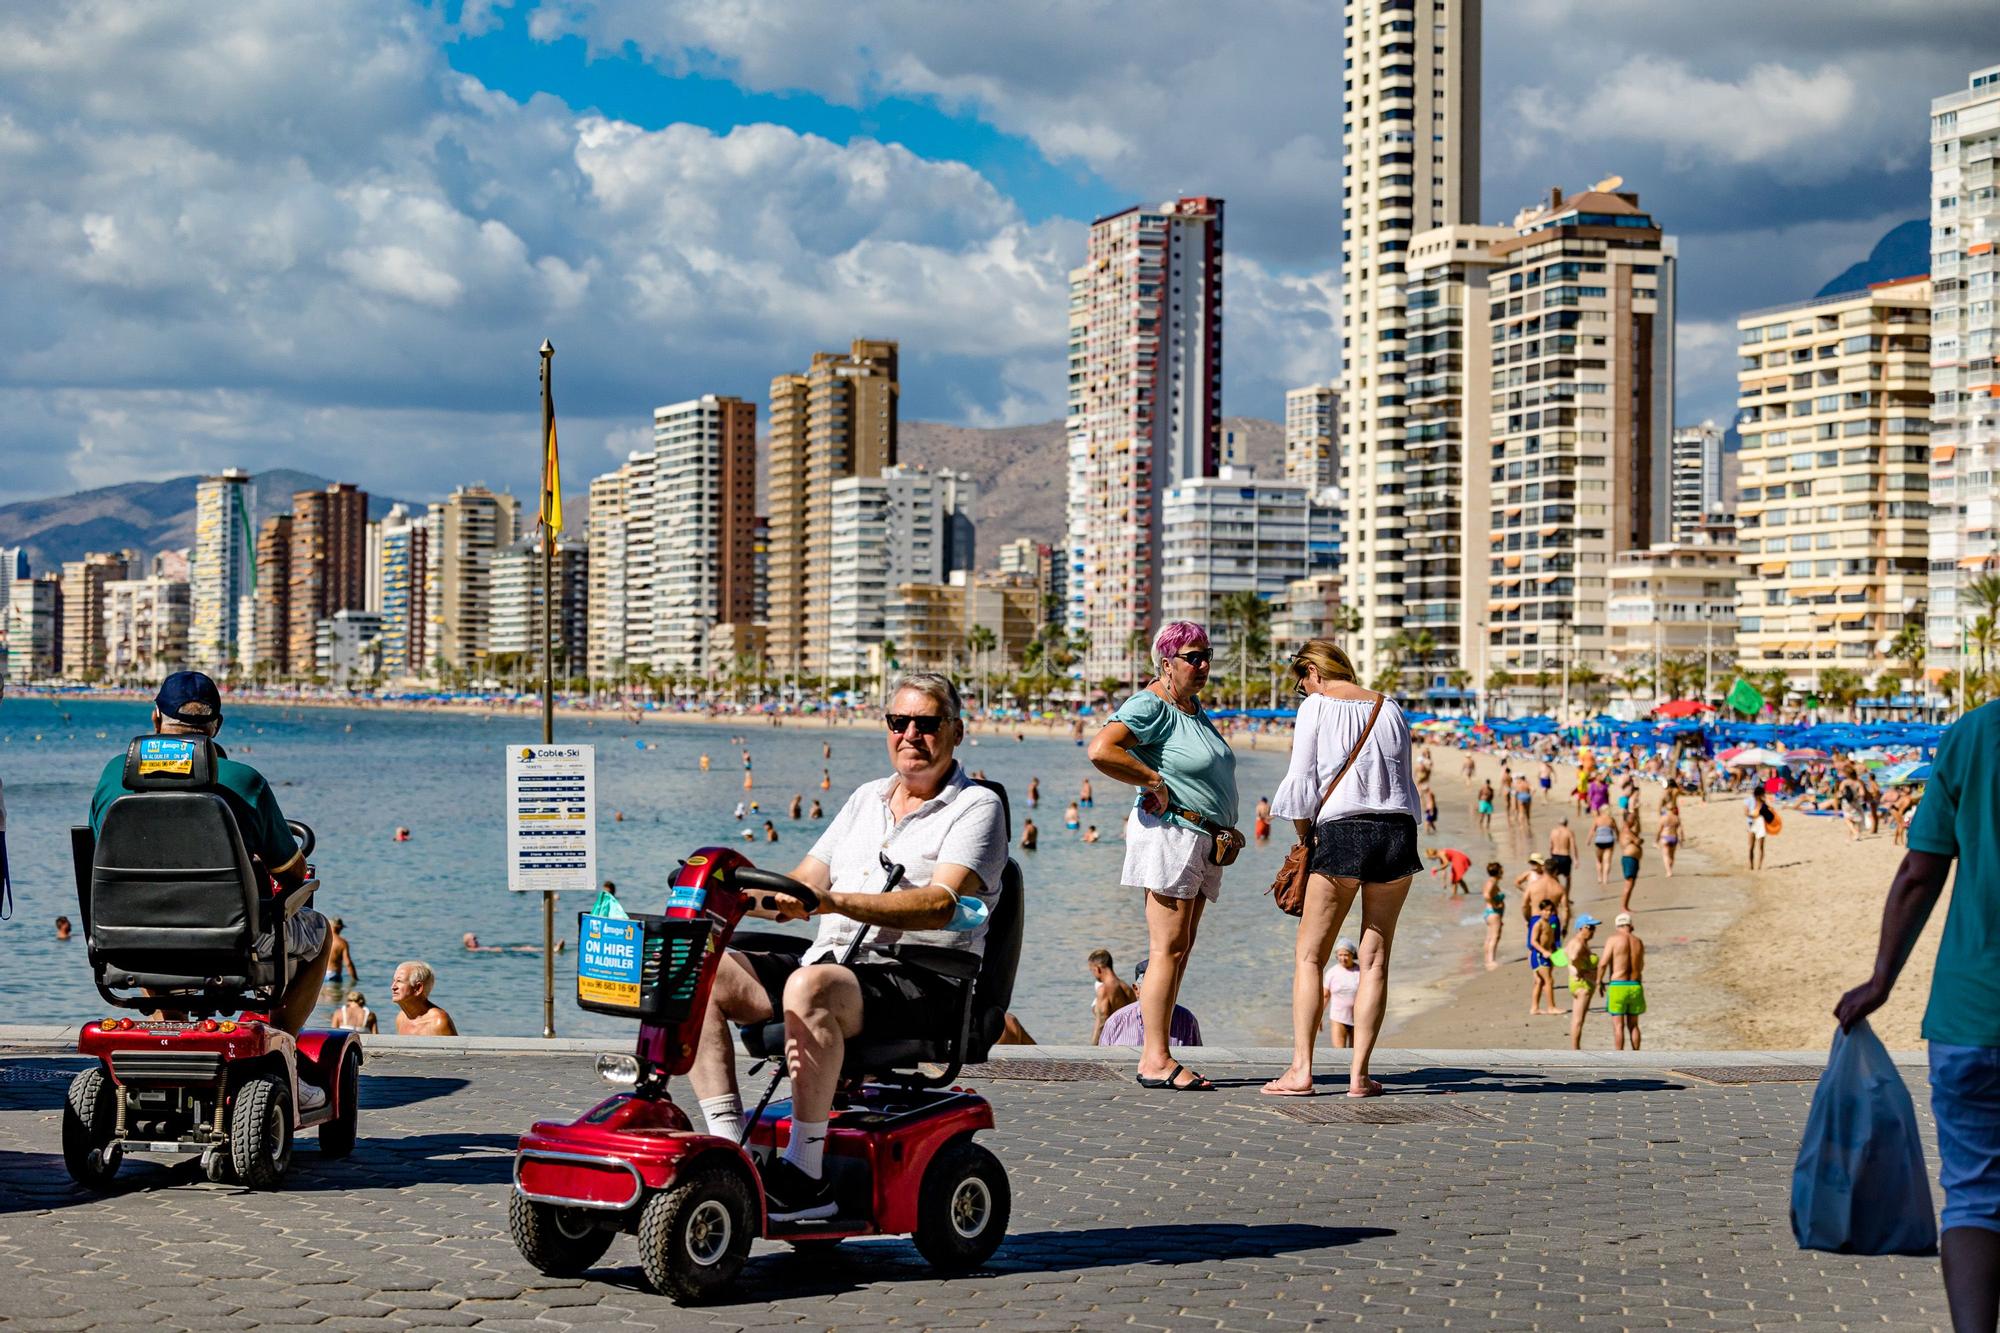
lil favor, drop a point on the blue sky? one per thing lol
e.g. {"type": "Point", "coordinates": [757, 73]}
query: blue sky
{"type": "Point", "coordinates": [329, 234]}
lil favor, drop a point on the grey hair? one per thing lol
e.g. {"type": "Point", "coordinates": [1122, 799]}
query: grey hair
{"type": "Point", "coordinates": [935, 684]}
{"type": "Point", "coordinates": [420, 974]}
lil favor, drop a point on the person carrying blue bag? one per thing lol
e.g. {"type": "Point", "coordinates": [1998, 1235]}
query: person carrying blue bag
{"type": "Point", "coordinates": [1959, 819]}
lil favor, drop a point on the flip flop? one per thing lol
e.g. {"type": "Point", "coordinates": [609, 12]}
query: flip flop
{"type": "Point", "coordinates": [1199, 1084]}
{"type": "Point", "coordinates": [1374, 1090]}
{"type": "Point", "coordinates": [1270, 1091]}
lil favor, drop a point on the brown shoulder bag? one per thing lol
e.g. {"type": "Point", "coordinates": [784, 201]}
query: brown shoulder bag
{"type": "Point", "coordinates": [1288, 890]}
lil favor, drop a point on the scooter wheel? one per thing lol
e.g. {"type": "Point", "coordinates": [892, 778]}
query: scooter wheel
{"type": "Point", "coordinates": [90, 1120]}
{"type": "Point", "coordinates": [260, 1131]}
{"type": "Point", "coordinates": [694, 1238]}
{"type": "Point", "coordinates": [336, 1136]}
{"type": "Point", "coordinates": [962, 1207]}
{"type": "Point", "coordinates": [561, 1242]}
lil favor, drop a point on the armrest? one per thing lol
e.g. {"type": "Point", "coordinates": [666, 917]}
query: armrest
{"type": "Point", "coordinates": [769, 941]}
{"type": "Point", "coordinates": [292, 899]}
{"type": "Point", "coordinates": [946, 962]}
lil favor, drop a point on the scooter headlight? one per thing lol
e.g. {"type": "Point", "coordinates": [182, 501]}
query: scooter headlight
{"type": "Point", "coordinates": [620, 1069]}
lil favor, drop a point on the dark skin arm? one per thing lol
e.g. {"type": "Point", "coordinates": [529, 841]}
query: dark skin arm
{"type": "Point", "coordinates": [1919, 882]}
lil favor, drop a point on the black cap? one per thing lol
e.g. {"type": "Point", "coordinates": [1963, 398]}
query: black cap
{"type": "Point", "coordinates": [191, 697]}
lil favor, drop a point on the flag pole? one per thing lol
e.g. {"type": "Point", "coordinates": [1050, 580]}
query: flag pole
{"type": "Point", "coordinates": [548, 674]}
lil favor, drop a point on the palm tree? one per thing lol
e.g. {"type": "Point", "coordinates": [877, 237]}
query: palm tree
{"type": "Point", "coordinates": [1911, 647]}
{"type": "Point", "coordinates": [889, 664]}
{"type": "Point", "coordinates": [1248, 617]}
{"type": "Point", "coordinates": [1984, 593]}
{"type": "Point", "coordinates": [1839, 687]}
{"type": "Point", "coordinates": [1984, 638]}
{"type": "Point", "coordinates": [979, 642]}
{"type": "Point", "coordinates": [1422, 645]}
{"type": "Point", "coordinates": [1458, 678]}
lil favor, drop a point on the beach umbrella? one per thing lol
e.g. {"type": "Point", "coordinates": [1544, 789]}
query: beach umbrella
{"type": "Point", "coordinates": [1724, 756]}
{"type": "Point", "coordinates": [1806, 755]}
{"type": "Point", "coordinates": [1755, 757]}
{"type": "Point", "coordinates": [1906, 773]}
{"type": "Point", "coordinates": [1682, 708]}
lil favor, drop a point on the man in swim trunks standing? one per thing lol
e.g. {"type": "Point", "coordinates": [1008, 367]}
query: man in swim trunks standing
{"type": "Point", "coordinates": [1536, 885]}
{"type": "Point", "coordinates": [1562, 851]}
{"type": "Point", "coordinates": [1630, 849]}
{"type": "Point", "coordinates": [1622, 968]}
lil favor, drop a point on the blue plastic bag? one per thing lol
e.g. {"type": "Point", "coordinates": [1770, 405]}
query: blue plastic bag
{"type": "Point", "coordinates": [1860, 1186]}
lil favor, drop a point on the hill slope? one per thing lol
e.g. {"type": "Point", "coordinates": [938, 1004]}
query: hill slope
{"type": "Point", "coordinates": [1904, 252]}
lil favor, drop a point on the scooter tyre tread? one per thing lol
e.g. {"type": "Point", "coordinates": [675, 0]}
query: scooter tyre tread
{"type": "Point", "coordinates": [550, 1250]}
{"type": "Point", "coordinates": [661, 1253]}
{"type": "Point", "coordinates": [259, 1162]}
{"type": "Point", "coordinates": [89, 1120]}
{"type": "Point", "coordinates": [936, 1238]}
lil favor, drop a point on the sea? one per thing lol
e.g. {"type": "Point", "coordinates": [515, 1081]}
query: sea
{"type": "Point", "coordinates": [356, 774]}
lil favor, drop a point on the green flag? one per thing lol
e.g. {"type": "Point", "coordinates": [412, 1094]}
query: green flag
{"type": "Point", "coordinates": [1743, 697]}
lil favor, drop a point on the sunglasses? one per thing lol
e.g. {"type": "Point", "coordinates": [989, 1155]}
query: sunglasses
{"type": "Point", "coordinates": [926, 724]}
{"type": "Point", "coordinates": [1197, 656]}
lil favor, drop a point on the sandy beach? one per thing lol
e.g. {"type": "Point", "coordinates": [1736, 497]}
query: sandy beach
{"type": "Point", "coordinates": [1734, 958]}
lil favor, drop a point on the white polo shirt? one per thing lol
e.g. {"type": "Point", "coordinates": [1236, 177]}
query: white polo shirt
{"type": "Point", "coordinates": [962, 825]}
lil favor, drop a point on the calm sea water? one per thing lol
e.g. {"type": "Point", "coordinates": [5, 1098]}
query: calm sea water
{"type": "Point", "coordinates": [354, 775]}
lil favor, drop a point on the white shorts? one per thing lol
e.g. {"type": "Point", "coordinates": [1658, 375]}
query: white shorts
{"type": "Point", "coordinates": [1168, 859]}
{"type": "Point", "coordinates": [1757, 829]}
{"type": "Point", "coordinates": [305, 934]}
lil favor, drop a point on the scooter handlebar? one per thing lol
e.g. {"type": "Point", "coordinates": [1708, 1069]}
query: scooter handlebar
{"type": "Point", "coordinates": [747, 878]}
{"type": "Point", "coordinates": [304, 834]}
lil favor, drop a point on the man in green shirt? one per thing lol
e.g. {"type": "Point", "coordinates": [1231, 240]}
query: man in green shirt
{"type": "Point", "coordinates": [1958, 819]}
{"type": "Point", "coordinates": [189, 704]}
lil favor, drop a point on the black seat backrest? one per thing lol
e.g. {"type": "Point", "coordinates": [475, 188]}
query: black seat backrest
{"type": "Point", "coordinates": [993, 990]}
{"type": "Point", "coordinates": [173, 898]}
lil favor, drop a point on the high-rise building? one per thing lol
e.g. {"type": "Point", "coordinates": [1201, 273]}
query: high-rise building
{"type": "Point", "coordinates": [347, 647]}
{"type": "Point", "coordinates": [13, 570]}
{"type": "Point", "coordinates": [704, 525]}
{"type": "Point", "coordinates": [1581, 307]}
{"type": "Point", "coordinates": [405, 542]}
{"type": "Point", "coordinates": [887, 530]}
{"type": "Point", "coordinates": [1449, 405]}
{"type": "Point", "coordinates": [517, 604]}
{"type": "Point", "coordinates": [1695, 495]}
{"type": "Point", "coordinates": [838, 420]}
{"type": "Point", "coordinates": [271, 602]}
{"type": "Point", "coordinates": [1230, 534]}
{"type": "Point", "coordinates": [1834, 410]}
{"type": "Point", "coordinates": [145, 628]}
{"type": "Point", "coordinates": [609, 627]}
{"type": "Point", "coordinates": [1145, 407]}
{"type": "Point", "coordinates": [328, 562]}
{"type": "Point", "coordinates": [83, 603]}
{"type": "Point", "coordinates": [1673, 602]}
{"type": "Point", "coordinates": [222, 572]}
{"type": "Point", "coordinates": [1409, 162]}
{"type": "Point", "coordinates": [1965, 333]}
{"type": "Point", "coordinates": [34, 629]}
{"type": "Point", "coordinates": [468, 528]}
{"type": "Point", "coordinates": [1312, 432]}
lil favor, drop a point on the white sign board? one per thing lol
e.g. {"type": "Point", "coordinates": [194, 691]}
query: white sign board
{"type": "Point", "coordinates": [551, 819]}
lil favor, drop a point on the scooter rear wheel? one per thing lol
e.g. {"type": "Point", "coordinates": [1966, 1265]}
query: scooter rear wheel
{"type": "Point", "coordinates": [962, 1207]}
{"type": "Point", "coordinates": [336, 1136]}
{"type": "Point", "coordinates": [694, 1238]}
{"type": "Point", "coordinates": [260, 1131]}
{"type": "Point", "coordinates": [90, 1120]}
{"type": "Point", "coordinates": [561, 1242]}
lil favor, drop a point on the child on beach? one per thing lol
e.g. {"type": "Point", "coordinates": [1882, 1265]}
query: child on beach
{"type": "Point", "coordinates": [1542, 943]}
{"type": "Point", "coordinates": [1495, 898]}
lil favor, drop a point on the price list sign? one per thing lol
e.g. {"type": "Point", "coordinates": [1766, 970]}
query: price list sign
{"type": "Point", "coordinates": [551, 822]}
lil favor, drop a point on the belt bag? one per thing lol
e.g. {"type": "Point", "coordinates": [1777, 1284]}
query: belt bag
{"type": "Point", "coordinates": [1224, 844]}
{"type": "Point", "coordinates": [1288, 889]}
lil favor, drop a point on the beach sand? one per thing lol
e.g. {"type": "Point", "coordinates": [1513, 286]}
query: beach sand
{"type": "Point", "coordinates": [1735, 959]}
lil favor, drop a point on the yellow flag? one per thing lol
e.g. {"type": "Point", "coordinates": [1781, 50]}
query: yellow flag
{"type": "Point", "coordinates": [551, 512]}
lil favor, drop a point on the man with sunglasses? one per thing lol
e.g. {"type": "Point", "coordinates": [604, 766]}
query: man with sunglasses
{"type": "Point", "coordinates": [950, 836]}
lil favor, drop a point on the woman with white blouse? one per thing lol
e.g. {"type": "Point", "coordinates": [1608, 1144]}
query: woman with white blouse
{"type": "Point", "coordinates": [1363, 838]}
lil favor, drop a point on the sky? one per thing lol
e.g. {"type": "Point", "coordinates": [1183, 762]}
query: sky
{"type": "Point", "coordinates": [331, 235]}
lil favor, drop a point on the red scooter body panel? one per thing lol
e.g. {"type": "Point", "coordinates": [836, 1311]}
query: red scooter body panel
{"type": "Point", "coordinates": [896, 1142]}
{"type": "Point", "coordinates": [672, 1047]}
{"type": "Point", "coordinates": [243, 1040]}
{"type": "Point", "coordinates": [621, 1149]}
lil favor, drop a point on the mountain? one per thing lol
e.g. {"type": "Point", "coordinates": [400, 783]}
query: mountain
{"type": "Point", "coordinates": [1904, 253]}
{"type": "Point", "coordinates": [1023, 471]}
{"type": "Point", "coordinates": [148, 516]}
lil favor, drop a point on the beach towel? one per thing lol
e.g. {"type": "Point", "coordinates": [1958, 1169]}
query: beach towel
{"type": "Point", "coordinates": [1860, 1186]}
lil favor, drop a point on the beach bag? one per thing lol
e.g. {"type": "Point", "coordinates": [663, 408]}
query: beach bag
{"type": "Point", "coordinates": [1288, 889]}
{"type": "Point", "coordinates": [1860, 1186]}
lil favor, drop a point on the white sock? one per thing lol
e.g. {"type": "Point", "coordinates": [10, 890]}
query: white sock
{"type": "Point", "coordinates": [807, 1142]}
{"type": "Point", "coordinates": [724, 1115]}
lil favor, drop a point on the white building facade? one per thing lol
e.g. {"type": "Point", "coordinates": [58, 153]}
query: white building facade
{"type": "Point", "coordinates": [222, 573]}
{"type": "Point", "coordinates": [887, 531]}
{"type": "Point", "coordinates": [1230, 534]}
{"type": "Point", "coordinates": [145, 628]}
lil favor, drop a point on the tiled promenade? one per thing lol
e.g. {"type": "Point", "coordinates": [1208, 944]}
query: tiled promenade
{"type": "Point", "coordinates": [1488, 1190]}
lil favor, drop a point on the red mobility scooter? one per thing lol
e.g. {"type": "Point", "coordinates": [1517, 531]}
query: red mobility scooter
{"type": "Point", "coordinates": [173, 904]}
{"type": "Point", "coordinates": [899, 1145]}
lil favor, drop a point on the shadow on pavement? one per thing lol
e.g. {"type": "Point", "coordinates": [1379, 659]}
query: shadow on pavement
{"type": "Point", "coordinates": [1448, 1079]}
{"type": "Point", "coordinates": [37, 1083]}
{"type": "Point", "coordinates": [385, 1092]}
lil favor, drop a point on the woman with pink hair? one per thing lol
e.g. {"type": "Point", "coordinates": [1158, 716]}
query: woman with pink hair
{"type": "Point", "coordinates": [1162, 742]}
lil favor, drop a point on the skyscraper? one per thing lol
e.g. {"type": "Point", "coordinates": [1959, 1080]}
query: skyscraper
{"type": "Point", "coordinates": [468, 528]}
{"type": "Point", "coordinates": [1965, 328]}
{"type": "Point", "coordinates": [1145, 408]}
{"type": "Point", "coordinates": [34, 628]}
{"type": "Point", "coordinates": [704, 521]}
{"type": "Point", "coordinates": [1695, 497]}
{"type": "Point", "coordinates": [517, 605]}
{"type": "Point", "coordinates": [405, 540]}
{"type": "Point", "coordinates": [1409, 162]}
{"type": "Point", "coordinates": [271, 604]}
{"type": "Point", "coordinates": [1581, 306]}
{"type": "Point", "coordinates": [887, 530]}
{"type": "Point", "coordinates": [83, 601]}
{"type": "Point", "coordinates": [837, 420]}
{"type": "Point", "coordinates": [1312, 430]}
{"type": "Point", "coordinates": [220, 579]}
{"type": "Point", "coordinates": [1834, 410]}
{"type": "Point", "coordinates": [328, 563]}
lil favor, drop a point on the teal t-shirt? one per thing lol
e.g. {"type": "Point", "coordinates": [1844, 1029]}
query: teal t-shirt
{"type": "Point", "coordinates": [265, 833]}
{"type": "Point", "coordinates": [1960, 817]}
{"type": "Point", "coordinates": [1197, 762]}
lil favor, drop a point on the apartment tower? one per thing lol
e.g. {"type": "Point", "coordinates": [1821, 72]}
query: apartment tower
{"type": "Point", "coordinates": [1145, 408]}
{"type": "Point", "coordinates": [83, 608]}
{"type": "Point", "coordinates": [328, 563]}
{"type": "Point", "coordinates": [837, 420]}
{"type": "Point", "coordinates": [1581, 313]}
{"type": "Point", "coordinates": [1965, 328]}
{"type": "Point", "coordinates": [1409, 162]}
{"type": "Point", "coordinates": [271, 603]}
{"type": "Point", "coordinates": [405, 540]}
{"type": "Point", "coordinates": [704, 525]}
{"type": "Point", "coordinates": [468, 528]}
{"type": "Point", "coordinates": [1312, 434]}
{"type": "Point", "coordinates": [1834, 542]}
{"type": "Point", "coordinates": [221, 574]}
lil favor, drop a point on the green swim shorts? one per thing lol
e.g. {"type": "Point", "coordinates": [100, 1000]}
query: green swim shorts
{"type": "Point", "coordinates": [1625, 997]}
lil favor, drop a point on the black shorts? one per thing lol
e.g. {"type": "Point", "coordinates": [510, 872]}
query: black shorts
{"type": "Point", "coordinates": [1377, 848]}
{"type": "Point", "coordinates": [896, 999]}
{"type": "Point", "coordinates": [1558, 864]}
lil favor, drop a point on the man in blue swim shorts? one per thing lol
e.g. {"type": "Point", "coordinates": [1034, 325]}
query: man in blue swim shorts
{"type": "Point", "coordinates": [1959, 819]}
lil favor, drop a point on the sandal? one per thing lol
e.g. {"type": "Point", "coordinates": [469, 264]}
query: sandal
{"type": "Point", "coordinates": [1374, 1090]}
{"type": "Point", "coordinates": [1196, 1084]}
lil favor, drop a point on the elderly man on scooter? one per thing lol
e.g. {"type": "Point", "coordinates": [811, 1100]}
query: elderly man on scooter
{"type": "Point", "coordinates": [949, 835]}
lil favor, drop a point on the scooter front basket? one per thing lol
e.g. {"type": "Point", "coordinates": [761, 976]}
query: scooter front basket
{"type": "Point", "coordinates": [641, 966]}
